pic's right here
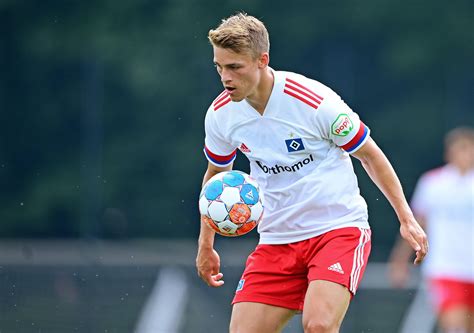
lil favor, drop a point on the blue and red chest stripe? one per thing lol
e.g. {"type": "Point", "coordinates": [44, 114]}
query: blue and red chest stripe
{"type": "Point", "coordinates": [357, 140]}
{"type": "Point", "coordinates": [218, 159]}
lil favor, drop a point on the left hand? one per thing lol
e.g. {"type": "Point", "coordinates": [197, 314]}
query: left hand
{"type": "Point", "coordinates": [412, 232]}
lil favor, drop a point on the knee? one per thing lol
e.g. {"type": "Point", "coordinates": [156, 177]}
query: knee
{"type": "Point", "coordinates": [237, 326]}
{"type": "Point", "coordinates": [320, 325]}
{"type": "Point", "coordinates": [234, 327]}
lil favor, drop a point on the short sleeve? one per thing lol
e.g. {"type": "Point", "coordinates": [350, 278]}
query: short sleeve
{"type": "Point", "coordinates": [217, 150]}
{"type": "Point", "coordinates": [419, 201]}
{"type": "Point", "coordinates": [337, 122]}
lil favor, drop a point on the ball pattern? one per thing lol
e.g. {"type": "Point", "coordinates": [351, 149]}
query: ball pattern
{"type": "Point", "coordinates": [231, 203]}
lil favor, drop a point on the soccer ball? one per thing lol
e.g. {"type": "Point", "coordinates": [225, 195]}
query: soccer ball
{"type": "Point", "coordinates": [231, 203]}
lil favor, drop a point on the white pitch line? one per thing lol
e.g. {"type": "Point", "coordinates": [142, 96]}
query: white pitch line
{"type": "Point", "coordinates": [419, 317]}
{"type": "Point", "coordinates": [164, 308]}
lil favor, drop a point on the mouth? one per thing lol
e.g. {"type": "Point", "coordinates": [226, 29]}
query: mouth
{"type": "Point", "coordinates": [230, 90]}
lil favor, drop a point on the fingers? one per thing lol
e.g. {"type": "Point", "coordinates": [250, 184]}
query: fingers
{"type": "Point", "coordinates": [413, 243]}
{"type": "Point", "coordinates": [421, 250]}
{"type": "Point", "coordinates": [420, 255]}
{"type": "Point", "coordinates": [214, 280]}
{"type": "Point", "coordinates": [419, 242]}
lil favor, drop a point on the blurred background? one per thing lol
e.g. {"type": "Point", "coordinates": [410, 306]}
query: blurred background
{"type": "Point", "coordinates": [101, 132]}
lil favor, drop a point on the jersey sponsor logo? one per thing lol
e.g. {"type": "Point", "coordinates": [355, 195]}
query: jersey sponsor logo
{"type": "Point", "coordinates": [342, 126]}
{"type": "Point", "coordinates": [293, 145]}
{"type": "Point", "coordinates": [240, 286]}
{"type": "Point", "coordinates": [244, 149]}
{"type": "Point", "coordinates": [276, 169]}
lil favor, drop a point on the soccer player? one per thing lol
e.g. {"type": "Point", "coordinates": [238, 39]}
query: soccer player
{"type": "Point", "coordinates": [297, 134]}
{"type": "Point", "coordinates": [443, 202]}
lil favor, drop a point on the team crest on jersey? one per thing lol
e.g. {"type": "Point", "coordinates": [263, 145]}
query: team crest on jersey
{"type": "Point", "coordinates": [295, 144]}
{"type": "Point", "coordinates": [342, 126]}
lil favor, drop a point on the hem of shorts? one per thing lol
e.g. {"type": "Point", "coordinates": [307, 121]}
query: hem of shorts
{"type": "Point", "coordinates": [339, 283]}
{"type": "Point", "coordinates": [269, 301]}
{"type": "Point", "coordinates": [289, 240]}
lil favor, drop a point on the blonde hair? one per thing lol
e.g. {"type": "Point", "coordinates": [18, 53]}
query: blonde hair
{"type": "Point", "coordinates": [241, 33]}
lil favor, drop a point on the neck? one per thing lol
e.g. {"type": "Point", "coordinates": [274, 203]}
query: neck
{"type": "Point", "coordinates": [259, 99]}
{"type": "Point", "coordinates": [463, 169]}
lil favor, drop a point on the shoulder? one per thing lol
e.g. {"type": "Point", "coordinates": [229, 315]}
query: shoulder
{"type": "Point", "coordinates": [303, 89]}
{"type": "Point", "coordinates": [220, 101]}
{"type": "Point", "coordinates": [433, 175]}
{"type": "Point", "coordinates": [216, 110]}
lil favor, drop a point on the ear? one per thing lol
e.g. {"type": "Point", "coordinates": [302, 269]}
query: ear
{"type": "Point", "coordinates": [264, 60]}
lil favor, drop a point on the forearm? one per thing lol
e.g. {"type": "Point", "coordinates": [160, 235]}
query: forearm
{"type": "Point", "coordinates": [383, 175]}
{"type": "Point", "coordinates": [206, 236]}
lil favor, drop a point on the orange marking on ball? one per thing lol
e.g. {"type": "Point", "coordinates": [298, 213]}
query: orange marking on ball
{"type": "Point", "coordinates": [240, 213]}
{"type": "Point", "coordinates": [245, 228]}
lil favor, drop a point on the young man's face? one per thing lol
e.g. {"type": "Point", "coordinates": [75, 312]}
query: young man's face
{"type": "Point", "coordinates": [460, 153]}
{"type": "Point", "coordinates": [240, 73]}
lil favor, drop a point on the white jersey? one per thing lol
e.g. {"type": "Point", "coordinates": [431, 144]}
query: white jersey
{"type": "Point", "coordinates": [298, 152]}
{"type": "Point", "coordinates": [445, 199]}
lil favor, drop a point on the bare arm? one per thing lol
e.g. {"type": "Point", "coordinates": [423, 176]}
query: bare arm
{"type": "Point", "coordinates": [207, 260]}
{"type": "Point", "coordinates": [382, 174]}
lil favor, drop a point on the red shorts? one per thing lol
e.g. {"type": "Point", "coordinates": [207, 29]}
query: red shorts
{"type": "Point", "coordinates": [449, 293]}
{"type": "Point", "coordinates": [279, 274]}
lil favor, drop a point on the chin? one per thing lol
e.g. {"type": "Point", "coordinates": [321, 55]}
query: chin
{"type": "Point", "coordinates": [236, 98]}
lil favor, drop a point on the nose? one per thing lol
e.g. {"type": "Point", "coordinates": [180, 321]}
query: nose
{"type": "Point", "coordinates": [226, 76]}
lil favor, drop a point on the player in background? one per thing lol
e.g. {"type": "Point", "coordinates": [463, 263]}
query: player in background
{"type": "Point", "coordinates": [443, 201]}
{"type": "Point", "coordinates": [297, 134]}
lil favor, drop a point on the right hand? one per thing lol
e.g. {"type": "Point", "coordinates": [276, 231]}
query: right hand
{"type": "Point", "coordinates": [208, 265]}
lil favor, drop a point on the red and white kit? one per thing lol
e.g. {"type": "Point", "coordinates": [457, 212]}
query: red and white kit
{"type": "Point", "coordinates": [445, 199]}
{"type": "Point", "coordinates": [299, 154]}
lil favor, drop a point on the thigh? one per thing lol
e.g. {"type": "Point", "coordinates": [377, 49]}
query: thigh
{"type": "Point", "coordinates": [454, 319]}
{"type": "Point", "coordinates": [471, 320]}
{"type": "Point", "coordinates": [273, 275]}
{"type": "Point", "coordinates": [249, 317]}
{"type": "Point", "coordinates": [325, 305]}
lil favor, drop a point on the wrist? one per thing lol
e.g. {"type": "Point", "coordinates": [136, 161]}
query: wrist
{"type": "Point", "coordinates": [204, 245]}
{"type": "Point", "coordinates": [406, 219]}
{"type": "Point", "coordinates": [206, 239]}
{"type": "Point", "coordinates": [405, 216]}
